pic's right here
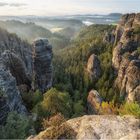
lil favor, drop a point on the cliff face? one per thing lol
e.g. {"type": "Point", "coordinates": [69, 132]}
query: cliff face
{"type": "Point", "coordinates": [126, 57]}
{"type": "Point", "coordinates": [10, 98]}
{"type": "Point", "coordinates": [17, 67]}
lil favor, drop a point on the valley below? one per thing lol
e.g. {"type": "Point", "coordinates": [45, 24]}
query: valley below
{"type": "Point", "coordinates": [70, 77]}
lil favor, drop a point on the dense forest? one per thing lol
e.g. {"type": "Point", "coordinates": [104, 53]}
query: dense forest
{"type": "Point", "coordinates": [70, 63]}
{"type": "Point", "coordinates": [71, 85]}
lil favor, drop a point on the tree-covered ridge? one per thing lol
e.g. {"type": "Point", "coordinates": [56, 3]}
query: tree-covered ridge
{"type": "Point", "coordinates": [70, 63]}
{"type": "Point", "coordinates": [30, 31]}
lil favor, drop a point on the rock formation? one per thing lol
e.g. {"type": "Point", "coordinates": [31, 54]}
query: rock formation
{"type": "Point", "coordinates": [93, 67]}
{"type": "Point", "coordinates": [102, 127]}
{"type": "Point", "coordinates": [17, 68]}
{"type": "Point", "coordinates": [10, 98]}
{"type": "Point", "coordinates": [126, 57]}
{"type": "Point", "coordinates": [42, 65]}
{"type": "Point", "coordinates": [105, 127]}
{"type": "Point", "coordinates": [94, 102]}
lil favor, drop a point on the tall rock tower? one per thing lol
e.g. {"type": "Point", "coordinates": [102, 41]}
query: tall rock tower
{"type": "Point", "coordinates": [42, 65]}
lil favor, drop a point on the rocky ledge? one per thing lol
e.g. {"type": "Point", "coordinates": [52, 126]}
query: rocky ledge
{"type": "Point", "coordinates": [102, 128]}
{"type": "Point", "coordinates": [106, 127]}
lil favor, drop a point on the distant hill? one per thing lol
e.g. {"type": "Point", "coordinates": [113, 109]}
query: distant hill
{"type": "Point", "coordinates": [67, 32]}
{"type": "Point", "coordinates": [115, 14]}
{"type": "Point", "coordinates": [28, 31]}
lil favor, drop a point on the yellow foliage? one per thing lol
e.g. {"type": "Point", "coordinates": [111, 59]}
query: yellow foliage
{"type": "Point", "coordinates": [108, 108]}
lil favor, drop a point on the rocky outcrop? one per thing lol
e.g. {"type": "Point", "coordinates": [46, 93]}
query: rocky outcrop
{"type": "Point", "coordinates": [93, 67]}
{"type": "Point", "coordinates": [20, 48]}
{"type": "Point", "coordinates": [10, 98]}
{"type": "Point", "coordinates": [126, 38]}
{"type": "Point", "coordinates": [128, 80]}
{"type": "Point", "coordinates": [17, 68]}
{"type": "Point", "coordinates": [27, 63]}
{"type": "Point", "coordinates": [94, 102]}
{"type": "Point", "coordinates": [105, 127]}
{"type": "Point", "coordinates": [42, 64]}
{"type": "Point", "coordinates": [126, 57]}
{"type": "Point", "coordinates": [20, 64]}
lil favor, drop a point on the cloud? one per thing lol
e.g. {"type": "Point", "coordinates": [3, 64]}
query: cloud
{"type": "Point", "coordinates": [12, 4]}
{"type": "Point", "coordinates": [67, 7]}
{"type": "Point", "coordinates": [3, 4]}
{"type": "Point", "coordinates": [17, 4]}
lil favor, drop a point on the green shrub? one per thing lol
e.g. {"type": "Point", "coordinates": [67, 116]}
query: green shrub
{"type": "Point", "coordinates": [130, 109]}
{"type": "Point", "coordinates": [137, 30]}
{"type": "Point", "coordinates": [57, 128]}
{"type": "Point", "coordinates": [79, 109]}
{"type": "Point", "coordinates": [55, 102]}
{"type": "Point", "coordinates": [17, 127]}
{"type": "Point", "coordinates": [138, 50]}
{"type": "Point", "coordinates": [31, 99]}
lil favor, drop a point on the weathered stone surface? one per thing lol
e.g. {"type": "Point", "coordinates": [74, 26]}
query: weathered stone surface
{"type": "Point", "coordinates": [126, 57]}
{"type": "Point", "coordinates": [93, 67]}
{"type": "Point", "coordinates": [94, 102]}
{"type": "Point", "coordinates": [15, 57]}
{"type": "Point", "coordinates": [20, 48]}
{"type": "Point", "coordinates": [128, 80]}
{"type": "Point", "coordinates": [10, 99]}
{"type": "Point", "coordinates": [17, 68]}
{"type": "Point", "coordinates": [27, 63]}
{"type": "Point", "coordinates": [42, 68]}
{"type": "Point", "coordinates": [105, 127]}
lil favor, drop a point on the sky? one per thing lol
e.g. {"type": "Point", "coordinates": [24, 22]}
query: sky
{"type": "Point", "coordinates": [67, 7]}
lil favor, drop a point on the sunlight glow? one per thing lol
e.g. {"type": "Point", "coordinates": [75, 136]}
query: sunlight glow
{"type": "Point", "coordinates": [67, 7]}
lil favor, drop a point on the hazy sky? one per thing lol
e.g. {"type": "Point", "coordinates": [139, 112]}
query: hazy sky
{"type": "Point", "coordinates": [67, 7]}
